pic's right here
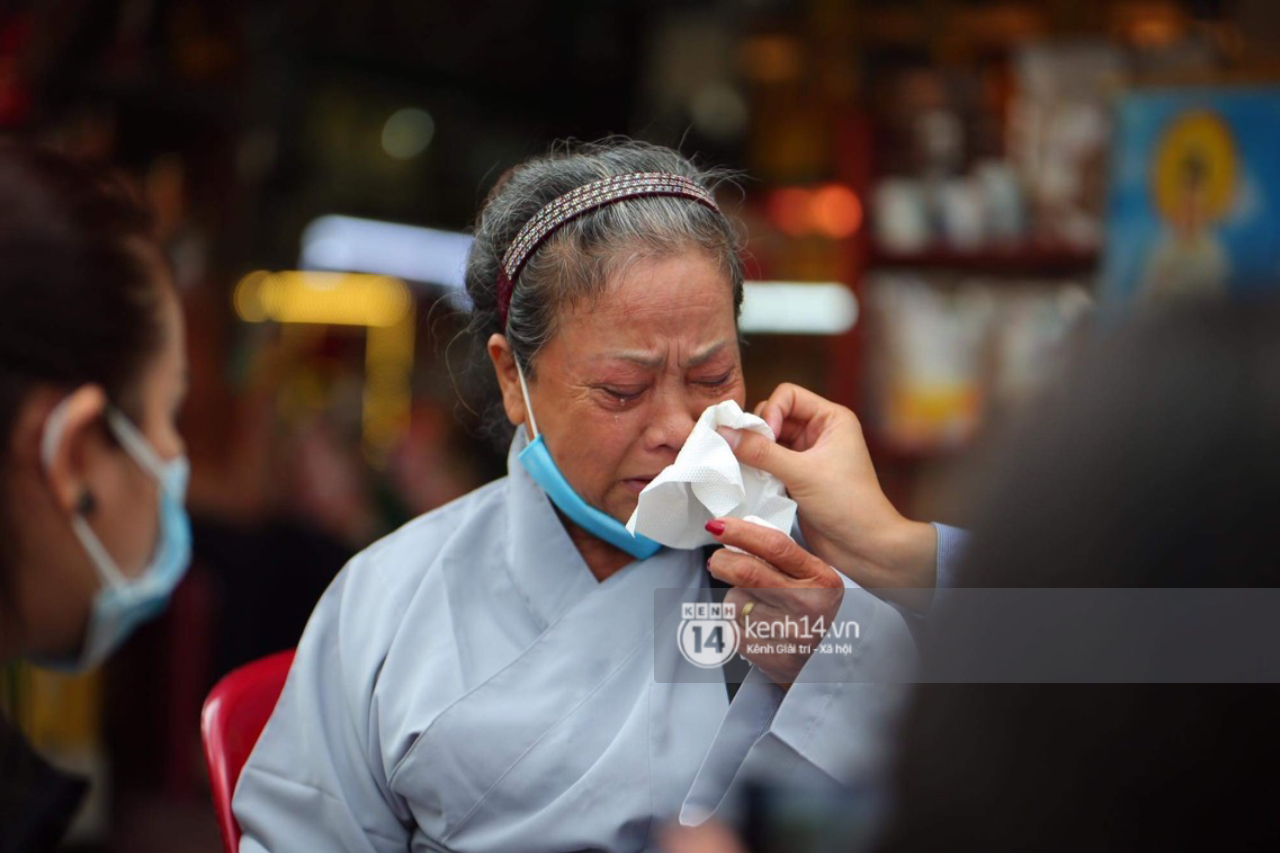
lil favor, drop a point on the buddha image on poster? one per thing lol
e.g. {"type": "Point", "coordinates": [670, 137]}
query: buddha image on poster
{"type": "Point", "coordinates": [1195, 196]}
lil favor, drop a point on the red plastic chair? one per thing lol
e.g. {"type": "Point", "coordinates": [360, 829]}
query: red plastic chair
{"type": "Point", "coordinates": [235, 712]}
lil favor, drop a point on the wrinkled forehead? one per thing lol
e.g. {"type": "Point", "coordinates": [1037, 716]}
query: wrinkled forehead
{"type": "Point", "coordinates": [667, 311]}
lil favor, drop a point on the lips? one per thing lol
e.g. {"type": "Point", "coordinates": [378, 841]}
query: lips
{"type": "Point", "coordinates": [637, 484]}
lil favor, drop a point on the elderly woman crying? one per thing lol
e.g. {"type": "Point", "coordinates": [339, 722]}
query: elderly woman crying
{"type": "Point", "coordinates": [485, 678]}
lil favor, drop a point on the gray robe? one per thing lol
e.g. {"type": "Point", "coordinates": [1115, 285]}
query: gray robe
{"type": "Point", "coordinates": [466, 684]}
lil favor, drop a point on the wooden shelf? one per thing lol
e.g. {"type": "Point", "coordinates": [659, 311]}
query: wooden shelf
{"type": "Point", "coordinates": [1029, 260]}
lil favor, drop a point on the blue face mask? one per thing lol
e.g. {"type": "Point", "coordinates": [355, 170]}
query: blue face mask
{"type": "Point", "coordinates": [122, 604]}
{"type": "Point", "coordinates": [542, 468]}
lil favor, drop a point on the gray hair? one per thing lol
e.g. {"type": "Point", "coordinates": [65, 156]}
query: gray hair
{"type": "Point", "coordinates": [582, 256]}
{"type": "Point", "coordinates": [577, 261]}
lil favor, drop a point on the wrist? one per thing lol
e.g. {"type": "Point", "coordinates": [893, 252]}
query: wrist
{"type": "Point", "coordinates": [906, 560]}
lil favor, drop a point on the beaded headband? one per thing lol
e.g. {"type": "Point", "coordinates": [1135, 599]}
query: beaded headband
{"type": "Point", "coordinates": [582, 200]}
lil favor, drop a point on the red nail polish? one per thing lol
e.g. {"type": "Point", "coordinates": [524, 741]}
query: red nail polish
{"type": "Point", "coordinates": [715, 528]}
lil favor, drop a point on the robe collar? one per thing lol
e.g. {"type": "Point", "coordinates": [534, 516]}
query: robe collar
{"type": "Point", "coordinates": [546, 568]}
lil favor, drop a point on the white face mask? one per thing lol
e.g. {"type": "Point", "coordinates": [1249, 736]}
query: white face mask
{"type": "Point", "coordinates": [122, 604]}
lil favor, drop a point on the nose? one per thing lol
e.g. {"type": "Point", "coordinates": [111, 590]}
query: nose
{"type": "Point", "coordinates": [674, 414]}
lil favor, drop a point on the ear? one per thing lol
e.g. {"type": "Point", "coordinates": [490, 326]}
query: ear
{"type": "Point", "coordinates": [504, 367]}
{"type": "Point", "coordinates": [78, 445]}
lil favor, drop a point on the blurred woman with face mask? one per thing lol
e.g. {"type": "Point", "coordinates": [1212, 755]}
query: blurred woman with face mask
{"type": "Point", "coordinates": [93, 533]}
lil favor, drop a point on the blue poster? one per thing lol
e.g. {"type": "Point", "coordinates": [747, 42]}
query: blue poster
{"type": "Point", "coordinates": [1194, 205]}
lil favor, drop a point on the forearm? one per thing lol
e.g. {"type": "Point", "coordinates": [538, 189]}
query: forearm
{"type": "Point", "coordinates": [899, 563]}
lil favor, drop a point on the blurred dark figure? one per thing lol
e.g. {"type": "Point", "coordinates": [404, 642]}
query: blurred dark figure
{"type": "Point", "coordinates": [91, 370]}
{"type": "Point", "coordinates": [1156, 464]}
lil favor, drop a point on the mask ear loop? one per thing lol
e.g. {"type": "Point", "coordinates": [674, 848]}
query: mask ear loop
{"type": "Point", "coordinates": [139, 448]}
{"type": "Point", "coordinates": [54, 426]}
{"type": "Point", "coordinates": [101, 559]}
{"type": "Point", "coordinates": [524, 391]}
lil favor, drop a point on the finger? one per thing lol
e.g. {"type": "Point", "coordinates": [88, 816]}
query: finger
{"type": "Point", "coordinates": [770, 600]}
{"type": "Point", "coordinates": [789, 599]}
{"type": "Point", "coordinates": [802, 415]}
{"type": "Point", "coordinates": [797, 435]}
{"type": "Point", "coordinates": [756, 617]}
{"type": "Point", "coordinates": [804, 605]}
{"type": "Point", "coordinates": [771, 414]}
{"type": "Point", "coordinates": [746, 571]}
{"type": "Point", "coordinates": [740, 599]}
{"type": "Point", "coordinates": [754, 449]}
{"type": "Point", "coordinates": [772, 546]}
{"type": "Point", "coordinates": [759, 620]}
{"type": "Point", "coordinates": [794, 403]}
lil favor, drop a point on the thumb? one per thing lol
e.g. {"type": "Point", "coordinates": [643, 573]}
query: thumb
{"type": "Point", "coordinates": [758, 451]}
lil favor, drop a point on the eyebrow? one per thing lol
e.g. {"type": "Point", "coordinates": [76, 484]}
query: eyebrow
{"type": "Point", "coordinates": [651, 361]}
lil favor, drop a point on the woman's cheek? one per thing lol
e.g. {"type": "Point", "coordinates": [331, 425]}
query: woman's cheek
{"type": "Point", "coordinates": [617, 438]}
{"type": "Point", "coordinates": [618, 432]}
{"type": "Point", "coordinates": [590, 435]}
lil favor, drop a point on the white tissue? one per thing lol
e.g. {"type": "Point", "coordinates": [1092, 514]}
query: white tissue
{"type": "Point", "coordinates": [707, 481]}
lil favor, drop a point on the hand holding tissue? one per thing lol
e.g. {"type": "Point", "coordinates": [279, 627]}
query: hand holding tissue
{"type": "Point", "coordinates": [707, 481]}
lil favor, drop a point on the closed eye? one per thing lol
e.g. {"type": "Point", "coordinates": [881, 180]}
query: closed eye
{"type": "Point", "coordinates": [717, 381]}
{"type": "Point", "coordinates": [622, 395]}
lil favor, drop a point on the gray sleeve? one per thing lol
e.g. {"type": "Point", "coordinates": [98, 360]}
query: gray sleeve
{"type": "Point", "coordinates": [832, 724]}
{"type": "Point", "coordinates": [951, 545]}
{"type": "Point", "coordinates": [315, 781]}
